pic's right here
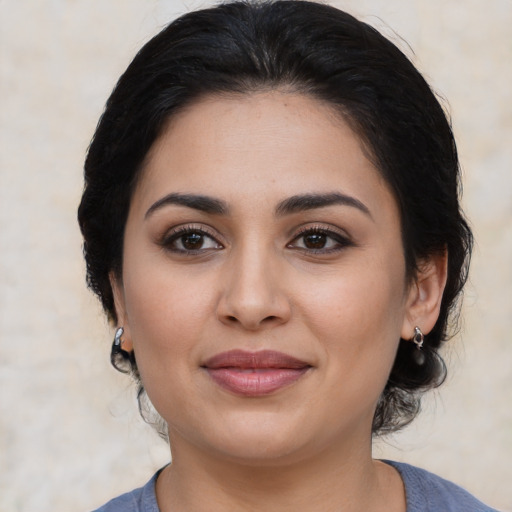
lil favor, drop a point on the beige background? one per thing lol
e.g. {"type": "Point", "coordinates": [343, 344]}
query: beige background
{"type": "Point", "coordinates": [70, 437]}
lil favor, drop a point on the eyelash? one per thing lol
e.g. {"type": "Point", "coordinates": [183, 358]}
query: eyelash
{"type": "Point", "coordinates": [174, 235]}
{"type": "Point", "coordinates": [342, 241]}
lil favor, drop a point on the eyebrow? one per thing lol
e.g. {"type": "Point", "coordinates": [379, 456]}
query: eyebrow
{"type": "Point", "coordinates": [294, 204]}
{"type": "Point", "coordinates": [305, 202]}
{"type": "Point", "coordinates": [197, 202]}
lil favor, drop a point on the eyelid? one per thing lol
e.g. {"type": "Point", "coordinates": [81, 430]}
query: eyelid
{"type": "Point", "coordinates": [175, 232]}
{"type": "Point", "coordinates": [321, 228]}
{"type": "Point", "coordinates": [340, 236]}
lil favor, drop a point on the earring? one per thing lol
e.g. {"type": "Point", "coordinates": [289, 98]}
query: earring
{"type": "Point", "coordinates": [418, 355]}
{"type": "Point", "coordinates": [121, 359]}
{"type": "Point", "coordinates": [418, 338]}
{"type": "Point", "coordinates": [116, 346]}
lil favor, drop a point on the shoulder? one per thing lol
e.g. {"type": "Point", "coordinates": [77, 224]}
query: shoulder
{"type": "Point", "coordinates": [142, 499]}
{"type": "Point", "coordinates": [427, 492]}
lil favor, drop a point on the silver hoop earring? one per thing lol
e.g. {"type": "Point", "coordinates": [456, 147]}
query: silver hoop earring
{"type": "Point", "coordinates": [418, 338]}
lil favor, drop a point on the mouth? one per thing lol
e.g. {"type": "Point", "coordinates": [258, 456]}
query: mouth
{"type": "Point", "coordinates": [253, 374]}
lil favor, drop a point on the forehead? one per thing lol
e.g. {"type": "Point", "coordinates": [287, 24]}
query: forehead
{"type": "Point", "coordinates": [261, 144]}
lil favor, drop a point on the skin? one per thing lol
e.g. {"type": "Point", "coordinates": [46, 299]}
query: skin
{"type": "Point", "coordinates": [256, 282]}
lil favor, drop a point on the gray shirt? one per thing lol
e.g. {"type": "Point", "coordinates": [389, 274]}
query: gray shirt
{"type": "Point", "coordinates": [425, 492]}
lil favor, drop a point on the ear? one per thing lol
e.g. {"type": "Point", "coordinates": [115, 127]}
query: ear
{"type": "Point", "coordinates": [425, 295]}
{"type": "Point", "coordinates": [120, 307]}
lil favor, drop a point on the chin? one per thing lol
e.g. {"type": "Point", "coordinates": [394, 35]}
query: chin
{"type": "Point", "coordinates": [255, 439]}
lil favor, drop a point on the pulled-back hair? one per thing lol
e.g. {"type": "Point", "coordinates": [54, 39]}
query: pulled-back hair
{"type": "Point", "coordinates": [324, 53]}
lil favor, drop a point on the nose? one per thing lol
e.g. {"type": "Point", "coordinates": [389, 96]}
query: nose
{"type": "Point", "coordinates": [253, 292]}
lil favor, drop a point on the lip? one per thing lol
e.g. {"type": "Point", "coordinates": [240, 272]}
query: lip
{"type": "Point", "coordinates": [253, 374]}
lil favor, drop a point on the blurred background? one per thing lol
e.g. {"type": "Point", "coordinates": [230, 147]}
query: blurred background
{"type": "Point", "coordinates": [70, 435]}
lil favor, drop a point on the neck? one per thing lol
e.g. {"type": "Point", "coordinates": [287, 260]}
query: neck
{"type": "Point", "coordinates": [328, 482]}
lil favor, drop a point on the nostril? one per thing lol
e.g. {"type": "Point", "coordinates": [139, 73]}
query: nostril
{"type": "Point", "coordinates": [234, 319]}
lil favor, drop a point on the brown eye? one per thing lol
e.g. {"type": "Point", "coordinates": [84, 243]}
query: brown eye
{"type": "Point", "coordinates": [320, 241]}
{"type": "Point", "coordinates": [192, 241]}
{"type": "Point", "coordinates": [315, 240]}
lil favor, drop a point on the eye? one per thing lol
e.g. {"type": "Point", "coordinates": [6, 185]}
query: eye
{"type": "Point", "coordinates": [191, 240]}
{"type": "Point", "coordinates": [319, 240]}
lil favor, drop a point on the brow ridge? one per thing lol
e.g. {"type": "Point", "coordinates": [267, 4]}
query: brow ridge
{"type": "Point", "coordinates": [290, 205]}
{"type": "Point", "coordinates": [195, 201]}
{"type": "Point", "coordinates": [303, 202]}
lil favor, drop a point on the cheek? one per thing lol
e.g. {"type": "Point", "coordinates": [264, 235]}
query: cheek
{"type": "Point", "coordinates": [167, 322]}
{"type": "Point", "coordinates": [367, 301]}
{"type": "Point", "coordinates": [357, 317]}
{"type": "Point", "coordinates": [168, 313]}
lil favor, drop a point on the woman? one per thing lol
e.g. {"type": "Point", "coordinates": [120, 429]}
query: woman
{"type": "Point", "coordinates": [271, 220]}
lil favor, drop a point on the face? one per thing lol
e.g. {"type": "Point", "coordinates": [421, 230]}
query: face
{"type": "Point", "coordinates": [263, 284]}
